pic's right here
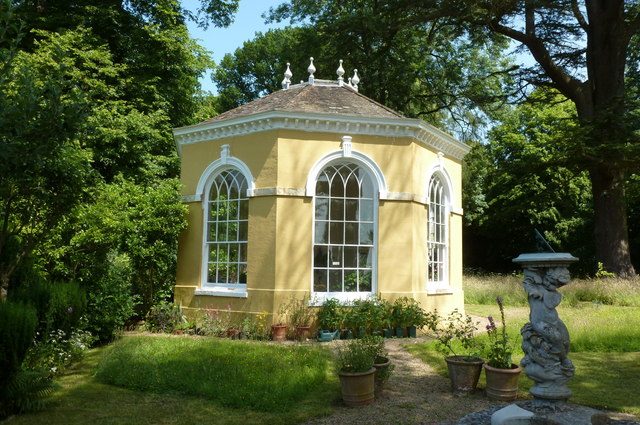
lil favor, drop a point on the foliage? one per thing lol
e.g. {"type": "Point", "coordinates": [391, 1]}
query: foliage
{"type": "Point", "coordinates": [164, 317]}
{"type": "Point", "coordinates": [330, 315]}
{"type": "Point", "coordinates": [57, 350]}
{"type": "Point", "coordinates": [59, 305]}
{"type": "Point", "coordinates": [17, 328]}
{"type": "Point", "coordinates": [111, 302]}
{"type": "Point", "coordinates": [407, 312]}
{"type": "Point", "coordinates": [243, 375]}
{"type": "Point", "coordinates": [216, 322]}
{"type": "Point", "coordinates": [300, 314]}
{"type": "Point", "coordinates": [455, 336]}
{"type": "Point", "coordinates": [27, 391]}
{"type": "Point", "coordinates": [601, 273]}
{"type": "Point", "coordinates": [356, 356]}
{"type": "Point", "coordinates": [499, 350]}
{"type": "Point", "coordinates": [255, 327]}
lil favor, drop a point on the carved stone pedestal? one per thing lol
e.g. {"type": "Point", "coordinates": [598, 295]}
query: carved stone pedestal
{"type": "Point", "coordinates": [545, 339]}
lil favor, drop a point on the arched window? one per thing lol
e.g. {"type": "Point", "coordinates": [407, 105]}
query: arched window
{"type": "Point", "coordinates": [344, 240]}
{"type": "Point", "coordinates": [437, 232]}
{"type": "Point", "coordinates": [226, 228]}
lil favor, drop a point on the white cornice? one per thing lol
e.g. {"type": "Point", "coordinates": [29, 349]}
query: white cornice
{"type": "Point", "coordinates": [327, 123]}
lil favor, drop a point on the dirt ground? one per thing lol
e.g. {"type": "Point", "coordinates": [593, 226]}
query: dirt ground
{"type": "Point", "coordinates": [414, 394]}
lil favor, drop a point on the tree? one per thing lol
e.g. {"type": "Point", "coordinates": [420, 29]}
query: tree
{"type": "Point", "coordinates": [428, 70]}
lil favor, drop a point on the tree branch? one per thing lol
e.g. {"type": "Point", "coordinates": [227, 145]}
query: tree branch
{"type": "Point", "coordinates": [578, 15]}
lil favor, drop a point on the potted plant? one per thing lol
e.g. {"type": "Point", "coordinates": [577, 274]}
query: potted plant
{"type": "Point", "coordinates": [381, 361]}
{"type": "Point", "coordinates": [502, 374]}
{"type": "Point", "coordinates": [387, 318]}
{"type": "Point", "coordinates": [357, 374]}
{"type": "Point", "coordinates": [414, 316]}
{"type": "Point", "coordinates": [300, 317]}
{"type": "Point", "coordinates": [329, 320]}
{"type": "Point", "coordinates": [279, 329]}
{"type": "Point", "coordinates": [455, 339]}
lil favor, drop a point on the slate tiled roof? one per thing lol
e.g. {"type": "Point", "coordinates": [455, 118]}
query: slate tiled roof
{"type": "Point", "coordinates": [317, 98]}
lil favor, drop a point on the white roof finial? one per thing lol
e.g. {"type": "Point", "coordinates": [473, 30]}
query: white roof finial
{"type": "Point", "coordinates": [355, 79]}
{"type": "Point", "coordinates": [311, 70]}
{"type": "Point", "coordinates": [287, 77]}
{"type": "Point", "coordinates": [340, 72]}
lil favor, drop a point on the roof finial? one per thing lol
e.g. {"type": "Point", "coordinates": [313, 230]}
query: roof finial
{"type": "Point", "coordinates": [287, 78]}
{"type": "Point", "coordinates": [311, 70]}
{"type": "Point", "coordinates": [355, 79]}
{"type": "Point", "coordinates": [340, 72]}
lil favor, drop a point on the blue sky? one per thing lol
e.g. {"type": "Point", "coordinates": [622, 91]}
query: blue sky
{"type": "Point", "coordinates": [220, 41]}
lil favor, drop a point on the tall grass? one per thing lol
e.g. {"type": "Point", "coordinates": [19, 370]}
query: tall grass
{"type": "Point", "coordinates": [236, 374]}
{"type": "Point", "coordinates": [483, 289]}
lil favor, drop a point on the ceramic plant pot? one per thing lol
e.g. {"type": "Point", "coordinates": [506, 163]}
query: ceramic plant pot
{"type": "Point", "coordinates": [382, 366]}
{"type": "Point", "coordinates": [279, 332]}
{"type": "Point", "coordinates": [464, 372]}
{"type": "Point", "coordinates": [358, 389]}
{"type": "Point", "coordinates": [412, 332]}
{"type": "Point", "coordinates": [302, 332]}
{"type": "Point", "coordinates": [502, 384]}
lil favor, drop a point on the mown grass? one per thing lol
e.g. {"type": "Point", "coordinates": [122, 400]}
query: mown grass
{"type": "Point", "coordinates": [82, 399]}
{"type": "Point", "coordinates": [605, 348]}
{"type": "Point", "coordinates": [264, 377]}
{"type": "Point", "coordinates": [611, 291]}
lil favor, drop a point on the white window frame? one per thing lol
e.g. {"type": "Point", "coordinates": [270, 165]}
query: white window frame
{"type": "Point", "coordinates": [438, 172]}
{"type": "Point", "coordinates": [224, 163]}
{"type": "Point", "coordinates": [379, 186]}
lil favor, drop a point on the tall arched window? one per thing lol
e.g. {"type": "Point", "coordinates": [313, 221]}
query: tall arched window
{"type": "Point", "coordinates": [437, 232]}
{"type": "Point", "coordinates": [226, 228]}
{"type": "Point", "coordinates": [344, 240]}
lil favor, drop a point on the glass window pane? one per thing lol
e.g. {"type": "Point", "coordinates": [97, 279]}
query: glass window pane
{"type": "Point", "coordinates": [211, 233]}
{"type": "Point", "coordinates": [366, 233]}
{"type": "Point", "coordinates": [242, 273]}
{"type": "Point", "coordinates": [221, 233]}
{"type": "Point", "coordinates": [350, 280]}
{"type": "Point", "coordinates": [322, 185]}
{"type": "Point", "coordinates": [322, 208]}
{"type": "Point", "coordinates": [364, 281]}
{"type": "Point", "coordinates": [366, 210]}
{"type": "Point", "coordinates": [243, 230]}
{"type": "Point", "coordinates": [364, 257]}
{"type": "Point", "coordinates": [233, 273]}
{"type": "Point", "coordinates": [320, 280]}
{"type": "Point", "coordinates": [321, 232]}
{"type": "Point", "coordinates": [337, 209]}
{"type": "Point", "coordinates": [233, 253]}
{"type": "Point", "coordinates": [213, 210]}
{"type": "Point", "coordinates": [367, 188]}
{"type": "Point", "coordinates": [232, 230]}
{"type": "Point", "coordinates": [351, 233]}
{"type": "Point", "coordinates": [211, 273]}
{"type": "Point", "coordinates": [244, 209]}
{"type": "Point", "coordinates": [350, 256]}
{"type": "Point", "coordinates": [337, 187]}
{"type": "Point", "coordinates": [243, 253]}
{"type": "Point", "coordinates": [320, 256]}
{"type": "Point", "coordinates": [222, 273]}
{"type": "Point", "coordinates": [336, 233]}
{"type": "Point", "coordinates": [351, 210]}
{"type": "Point", "coordinates": [335, 256]}
{"type": "Point", "coordinates": [335, 280]}
{"type": "Point", "coordinates": [352, 189]}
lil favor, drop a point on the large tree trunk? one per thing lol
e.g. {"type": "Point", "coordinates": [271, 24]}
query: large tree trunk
{"type": "Point", "coordinates": [610, 214]}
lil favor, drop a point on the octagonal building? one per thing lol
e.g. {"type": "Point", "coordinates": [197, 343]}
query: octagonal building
{"type": "Point", "coordinates": [316, 190]}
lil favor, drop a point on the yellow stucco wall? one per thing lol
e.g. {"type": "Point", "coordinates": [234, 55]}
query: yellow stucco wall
{"type": "Point", "coordinates": [280, 225]}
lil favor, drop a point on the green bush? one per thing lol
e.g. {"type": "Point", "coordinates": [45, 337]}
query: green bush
{"type": "Point", "coordinates": [356, 356]}
{"type": "Point", "coordinates": [57, 351]}
{"type": "Point", "coordinates": [17, 329]}
{"type": "Point", "coordinates": [330, 315]}
{"type": "Point", "coordinates": [27, 391]}
{"type": "Point", "coordinates": [59, 305]}
{"type": "Point", "coordinates": [111, 302]}
{"type": "Point", "coordinates": [164, 317]}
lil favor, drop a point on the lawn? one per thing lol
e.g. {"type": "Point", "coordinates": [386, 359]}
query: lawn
{"type": "Point", "coordinates": [165, 377]}
{"type": "Point", "coordinates": [605, 349]}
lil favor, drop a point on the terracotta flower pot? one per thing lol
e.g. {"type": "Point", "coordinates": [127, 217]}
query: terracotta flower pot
{"type": "Point", "coordinates": [464, 372]}
{"type": "Point", "coordinates": [502, 384]}
{"type": "Point", "coordinates": [381, 365]}
{"type": "Point", "coordinates": [358, 388]}
{"type": "Point", "coordinates": [302, 332]}
{"type": "Point", "coordinates": [279, 332]}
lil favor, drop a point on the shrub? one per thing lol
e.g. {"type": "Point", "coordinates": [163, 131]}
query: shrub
{"type": "Point", "coordinates": [456, 336]}
{"type": "Point", "coordinates": [58, 350]}
{"type": "Point", "coordinates": [299, 312]}
{"type": "Point", "coordinates": [164, 317]}
{"type": "Point", "coordinates": [27, 391]}
{"type": "Point", "coordinates": [255, 327]}
{"type": "Point", "coordinates": [330, 315]}
{"type": "Point", "coordinates": [111, 303]}
{"type": "Point", "coordinates": [59, 305]}
{"type": "Point", "coordinates": [216, 322]}
{"type": "Point", "coordinates": [356, 356]}
{"type": "Point", "coordinates": [17, 329]}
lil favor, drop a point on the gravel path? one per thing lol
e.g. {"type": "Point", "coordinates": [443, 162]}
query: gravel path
{"type": "Point", "coordinates": [414, 394]}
